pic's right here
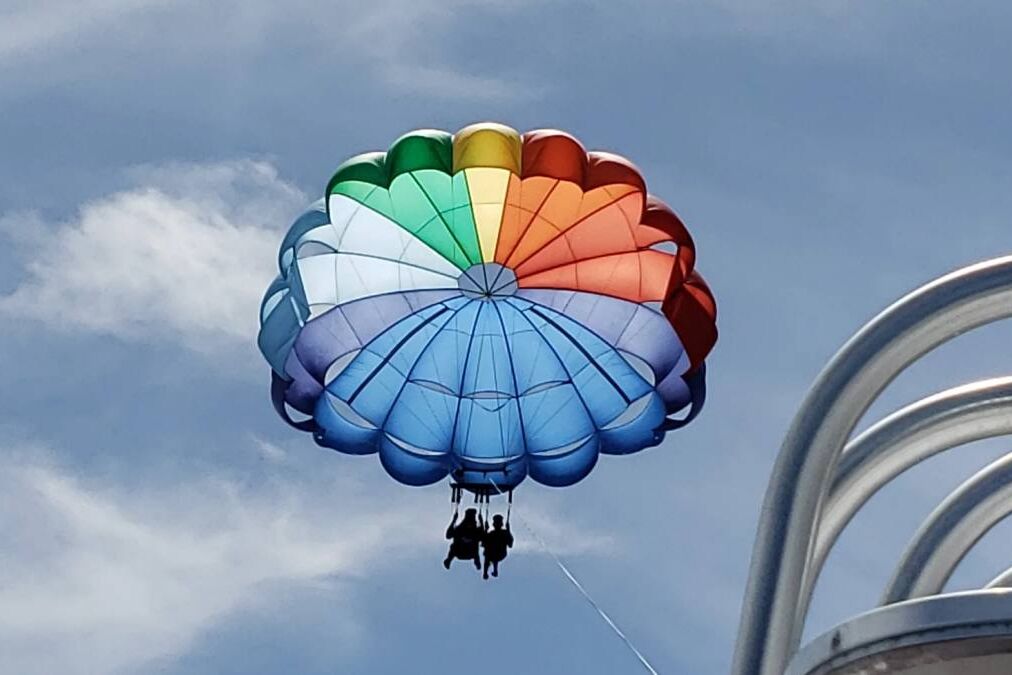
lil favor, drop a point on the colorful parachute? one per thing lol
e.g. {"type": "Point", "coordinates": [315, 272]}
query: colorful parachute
{"type": "Point", "coordinates": [487, 305]}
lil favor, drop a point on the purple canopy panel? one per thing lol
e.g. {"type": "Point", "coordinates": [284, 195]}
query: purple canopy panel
{"type": "Point", "coordinates": [674, 391]}
{"type": "Point", "coordinates": [628, 326]}
{"type": "Point", "coordinates": [303, 389]}
{"type": "Point", "coordinates": [346, 328]}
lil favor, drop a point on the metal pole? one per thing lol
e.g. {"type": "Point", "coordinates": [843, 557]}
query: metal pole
{"type": "Point", "coordinates": [852, 380]}
{"type": "Point", "coordinates": [900, 441]}
{"type": "Point", "coordinates": [1003, 580]}
{"type": "Point", "coordinates": [951, 531]}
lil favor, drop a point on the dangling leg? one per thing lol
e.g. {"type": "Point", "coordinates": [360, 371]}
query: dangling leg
{"type": "Point", "coordinates": [455, 494]}
{"type": "Point", "coordinates": [495, 567]}
{"type": "Point", "coordinates": [487, 563]}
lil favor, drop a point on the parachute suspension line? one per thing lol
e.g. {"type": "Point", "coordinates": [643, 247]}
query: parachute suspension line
{"type": "Point", "coordinates": [455, 500]}
{"type": "Point", "coordinates": [579, 587]}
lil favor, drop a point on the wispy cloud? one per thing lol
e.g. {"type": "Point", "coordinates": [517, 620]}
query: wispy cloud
{"type": "Point", "coordinates": [542, 533]}
{"type": "Point", "coordinates": [29, 27]}
{"type": "Point", "coordinates": [184, 256]}
{"type": "Point", "coordinates": [268, 450]}
{"type": "Point", "coordinates": [447, 83]}
{"type": "Point", "coordinates": [98, 577]}
{"type": "Point", "coordinates": [405, 44]}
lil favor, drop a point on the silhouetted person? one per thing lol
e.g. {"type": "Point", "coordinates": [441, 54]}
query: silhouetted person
{"type": "Point", "coordinates": [465, 539]}
{"type": "Point", "coordinates": [495, 543]}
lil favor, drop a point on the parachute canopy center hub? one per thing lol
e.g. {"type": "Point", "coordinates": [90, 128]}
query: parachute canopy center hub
{"type": "Point", "coordinates": [487, 281]}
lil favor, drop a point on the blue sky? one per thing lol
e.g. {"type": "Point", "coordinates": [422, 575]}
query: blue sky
{"type": "Point", "coordinates": [156, 515]}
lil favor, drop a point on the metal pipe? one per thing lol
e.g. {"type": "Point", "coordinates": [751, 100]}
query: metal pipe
{"type": "Point", "coordinates": [950, 532]}
{"type": "Point", "coordinates": [1003, 580]}
{"type": "Point", "coordinates": [917, 323]}
{"type": "Point", "coordinates": [898, 442]}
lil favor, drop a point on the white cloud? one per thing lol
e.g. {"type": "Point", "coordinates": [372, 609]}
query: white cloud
{"type": "Point", "coordinates": [269, 451]}
{"type": "Point", "coordinates": [447, 83]}
{"type": "Point", "coordinates": [185, 256]}
{"type": "Point", "coordinates": [403, 43]}
{"type": "Point", "coordinates": [29, 26]}
{"type": "Point", "coordinates": [542, 533]}
{"type": "Point", "coordinates": [98, 577]}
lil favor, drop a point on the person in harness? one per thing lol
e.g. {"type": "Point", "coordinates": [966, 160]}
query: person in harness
{"type": "Point", "coordinates": [496, 542]}
{"type": "Point", "coordinates": [465, 538]}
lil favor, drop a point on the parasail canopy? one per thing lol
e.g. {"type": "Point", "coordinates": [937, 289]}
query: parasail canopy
{"type": "Point", "coordinates": [487, 305]}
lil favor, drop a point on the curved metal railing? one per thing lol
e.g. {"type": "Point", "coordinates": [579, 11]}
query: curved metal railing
{"type": "Point", "coordinates": [807, 479]}
{"type": "Point", "coordinates": [951, 531]}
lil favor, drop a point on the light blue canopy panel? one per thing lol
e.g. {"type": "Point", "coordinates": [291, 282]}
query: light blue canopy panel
{"type": "Point", "coordinates": [482, 386]}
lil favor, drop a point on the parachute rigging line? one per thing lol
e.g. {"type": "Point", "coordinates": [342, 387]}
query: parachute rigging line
{"type": "Point", "coordinates": [579, 587]}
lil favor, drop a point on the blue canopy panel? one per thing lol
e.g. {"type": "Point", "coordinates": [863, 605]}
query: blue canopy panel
{"type": "Point", "coordinates": [486, 389]}
{"type": "Point", "coordinates": [314, 219]}
{"type": "Point", "coordinates": [281, 319]}
{"type": "Point", "coordinates": [284, 309]}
